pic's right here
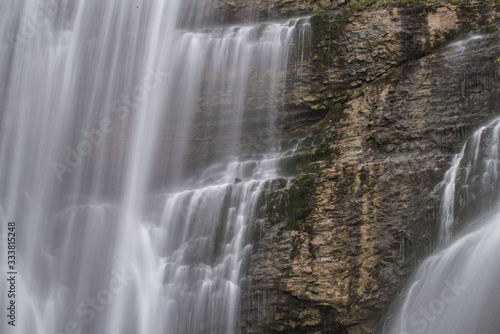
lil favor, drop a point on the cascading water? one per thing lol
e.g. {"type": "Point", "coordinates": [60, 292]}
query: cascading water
{"type": "Point", "coordinates": [105, 104]}
{"type": "Point", "coordinates": [456, 291]}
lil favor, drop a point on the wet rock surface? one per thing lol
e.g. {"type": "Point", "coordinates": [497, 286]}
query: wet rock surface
{"type": "Point", "coordinates": [352, 49]}
{"type": "Point", "coordinates": [347, 51]}
{"type": "Point", "coordinates": [400, 94]}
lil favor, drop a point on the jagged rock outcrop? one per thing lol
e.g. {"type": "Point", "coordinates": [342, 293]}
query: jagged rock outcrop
{"type": "Point", "coordinates": [396, 102]}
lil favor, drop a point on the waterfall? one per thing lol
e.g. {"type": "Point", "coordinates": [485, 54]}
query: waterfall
{"type": "Point", "coordinates": [136, 148]}
{"type": "Point", "coordinates": [456, 290]}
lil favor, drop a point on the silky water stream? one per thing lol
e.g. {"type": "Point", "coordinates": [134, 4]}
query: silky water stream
{"type": "Point", "coordinates": [119, 229]}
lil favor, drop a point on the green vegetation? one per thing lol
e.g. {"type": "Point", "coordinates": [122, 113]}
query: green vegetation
{"type": "Point", "coordinates": [299, 202]}
{"type": "Point", "coordinates": [360, 88]}
{"type": "Point", "coordinates": [320, 18]}
{"type": "Point", "coordinates": [295, 204]}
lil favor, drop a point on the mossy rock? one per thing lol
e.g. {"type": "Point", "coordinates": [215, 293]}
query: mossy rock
{"type": "Point", "coordinates": [305, 161]}
{"type": "Point", "coordinates": [294, 204]}
{"type": "Point", "coordinates": [299, 202]}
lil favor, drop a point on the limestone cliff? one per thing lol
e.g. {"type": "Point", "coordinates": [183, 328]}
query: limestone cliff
{"type": "Point", "coordinates": [388, 98]}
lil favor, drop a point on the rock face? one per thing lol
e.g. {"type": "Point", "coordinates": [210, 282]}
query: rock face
{"type": "Point", "coordinates": [391, 100]}
{"type": "Point", "coordinates": [241, 11]}
{"type": "Point", "coordinates": [351, 49]}
{"type": "Point", "coordinates": [348, 50]}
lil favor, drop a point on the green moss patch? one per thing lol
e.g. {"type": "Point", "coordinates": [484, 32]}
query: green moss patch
{"type": "Point", "coordinates": [305, 162]}
{"type": "Point", "coordinates": [299, 198]}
